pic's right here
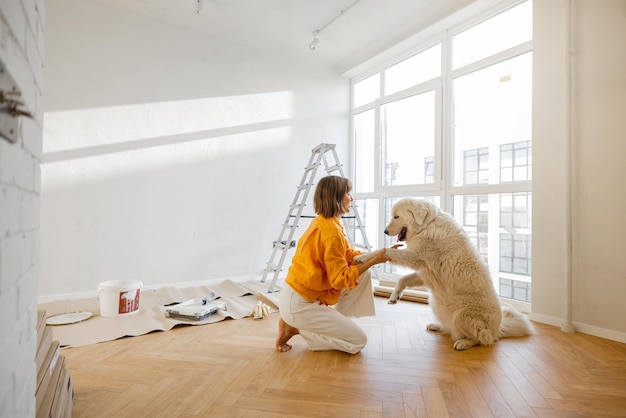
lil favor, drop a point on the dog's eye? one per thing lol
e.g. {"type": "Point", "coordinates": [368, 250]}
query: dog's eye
{"type": "Point", "coordinates": [395, 217]}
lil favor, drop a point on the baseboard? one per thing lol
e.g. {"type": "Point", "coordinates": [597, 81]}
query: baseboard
{"type": "Point", "coordinates": [609, 334]}
{"type": "Point", "coordinates": [545, 319]}
{"type": "Point", "coordinates": [541, 318]}
{"type": "Point", "coordinates": [94, 293]}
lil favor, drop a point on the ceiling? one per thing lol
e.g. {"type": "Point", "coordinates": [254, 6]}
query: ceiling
{"type": "Point", "coordinates": [355, 31]}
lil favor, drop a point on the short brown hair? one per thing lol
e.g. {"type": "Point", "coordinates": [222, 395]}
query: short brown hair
{"type": "Point", "coordinates": [329, 194]}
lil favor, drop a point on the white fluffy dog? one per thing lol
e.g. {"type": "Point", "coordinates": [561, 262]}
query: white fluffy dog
{"type": "Point", "coordinates": [462, 295]}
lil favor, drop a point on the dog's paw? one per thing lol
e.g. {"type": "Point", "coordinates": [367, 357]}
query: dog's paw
{"type": "Point", "coordinates": [464, 344]}
{"type": "Point", "coordinates": [362, 258]}
{"type": "Point", "coordinates": [394, 298]}
{"type": "Point", "coordinates": [433, 327]}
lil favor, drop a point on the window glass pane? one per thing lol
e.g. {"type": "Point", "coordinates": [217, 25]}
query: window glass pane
{"type": "Point", "coordinates": [520, 265]}
{"type": "Point", "coordinates": [506, 264]}
{"type": "Point", "coordinates": [429, 169]}
{"type": "Point", "coordinates": [366, 91]}
{"type": "Point", "coordinates": [520, 248]}
{"type": "Point", "coordinates": [471, 158]}
{"type": "Point", "coordinates": [506, 30]}
{"type": "Point", "coordinates": [483, 166]}
{"type": "Point", "coordinates": [506, 158]}
{"type": "Point", "coordinates": [414, 70]}
{"type": "Point", "coordinates": [492, 110]}
{"type": "Point", "coordinates": [516, 165]}
{"type": "Point", "coordinates": [476, 166]}
{"type": "Point", "coordinates": [408, 134]}
{"type": "Point", "coordinates": [520, 200]}
{"type": "Point", "coordinates": [520, 291]}
{"type": "Point", "coordinates": [472, 213]}
{"type": "Point", "coordinates": [369, 213]}
{"type": "Point", "coordinates": [506, 249]}
{"type": "Point", "coordinates": [521, 155]}
{"type": "Point", "coordinates": [506, 290]}
{"type": "Point", "coordinates": [364, 136]}
{"type": "Point", "coordinates": [515, 210]}
{"type": "Point", "coordinates": [471, 178]}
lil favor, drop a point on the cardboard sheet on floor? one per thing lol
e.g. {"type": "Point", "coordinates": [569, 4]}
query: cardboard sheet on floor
{"type": "Point", "coordinates": [240, 298]}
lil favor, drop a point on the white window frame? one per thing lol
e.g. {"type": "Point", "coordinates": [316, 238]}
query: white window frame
{"type": "Point", "coordinates": [443, 186]}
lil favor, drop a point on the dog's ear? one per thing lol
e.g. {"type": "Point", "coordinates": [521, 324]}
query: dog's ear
{"type": "Point", "coordinates": [419, 211]}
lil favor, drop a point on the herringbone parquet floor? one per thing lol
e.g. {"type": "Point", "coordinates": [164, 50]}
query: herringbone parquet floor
{"type": "Point", "coordinates": [230, 369]}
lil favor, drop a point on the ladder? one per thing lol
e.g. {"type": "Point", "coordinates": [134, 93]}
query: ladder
{"type": "Point", "coordinates": [326, 155]}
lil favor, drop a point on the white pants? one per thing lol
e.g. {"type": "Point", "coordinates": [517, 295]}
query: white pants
{"type": "Point", "coordinates": [327, 327]}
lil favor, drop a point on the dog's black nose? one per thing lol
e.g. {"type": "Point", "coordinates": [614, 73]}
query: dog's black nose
{"type": "Point", "coordinates": [386, 233]}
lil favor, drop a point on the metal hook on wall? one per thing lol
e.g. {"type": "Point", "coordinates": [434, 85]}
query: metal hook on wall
{"type": "Point", "coordinates": [12, 99]}
{"type": "Point", "coordinates": [11, 106]}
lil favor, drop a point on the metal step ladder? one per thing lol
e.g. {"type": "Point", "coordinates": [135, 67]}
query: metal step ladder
{"type": "Point", "coordinates": [326, 155]}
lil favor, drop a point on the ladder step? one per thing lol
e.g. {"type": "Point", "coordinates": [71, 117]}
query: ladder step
{"type": "Point", "coordinates": [333, 168]}
{"type": "Point", "coordinates": [271, 267]}
{"type": "Point", "coordinates": [283, 244]}
{"type": "Point", "coordinates": [323, 147]}
{"type": "Point", "coordinates": [311, 167]}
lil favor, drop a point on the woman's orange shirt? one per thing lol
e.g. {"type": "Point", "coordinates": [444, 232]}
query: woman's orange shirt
{"type": "Point", "coordinates": [324, 262]}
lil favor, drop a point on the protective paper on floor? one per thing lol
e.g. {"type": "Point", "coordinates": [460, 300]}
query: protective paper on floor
{"type": "Point", "coordinates": [240, 298]}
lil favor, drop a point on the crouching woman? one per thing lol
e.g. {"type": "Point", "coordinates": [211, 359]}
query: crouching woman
{"type": "Point", "coordinates": [324, 286]}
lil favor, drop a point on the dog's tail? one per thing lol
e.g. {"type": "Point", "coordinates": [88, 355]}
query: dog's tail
{"type": "Point", "coordinates": [514, 323]}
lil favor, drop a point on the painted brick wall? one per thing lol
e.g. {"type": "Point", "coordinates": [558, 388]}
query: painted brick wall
{"type": "Point", "coordinates": [22, 55]}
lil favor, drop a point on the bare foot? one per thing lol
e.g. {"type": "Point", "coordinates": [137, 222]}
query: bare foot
{"type": "Point", "coordinates": [285, 332]}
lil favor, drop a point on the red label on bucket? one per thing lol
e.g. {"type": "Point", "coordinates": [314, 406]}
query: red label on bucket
{"type": "Point", "coordinates": [129, 301]}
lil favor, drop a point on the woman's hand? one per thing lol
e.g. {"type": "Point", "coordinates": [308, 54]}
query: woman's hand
{"type": "Point", "coordinates": [367, 260]}
{"type": "Point", "coordinates": [380, 256]}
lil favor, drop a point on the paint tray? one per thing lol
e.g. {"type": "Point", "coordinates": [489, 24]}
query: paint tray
{"type": "Point", "coordinates": [194, 309]}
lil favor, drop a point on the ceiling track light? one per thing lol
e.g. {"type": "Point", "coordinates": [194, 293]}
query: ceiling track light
{"type": "Point", "coordinates": [315, 42]}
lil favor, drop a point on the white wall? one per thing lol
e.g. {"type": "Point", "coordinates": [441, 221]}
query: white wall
{"type": "Point", "coordinates": [599, 173]}
{"type": "Point", "coordinates": [21, 52]}
{"type": "Point", "coordinates": [167, 156]}
{"type": "Point", "coordinates": [170, 157]}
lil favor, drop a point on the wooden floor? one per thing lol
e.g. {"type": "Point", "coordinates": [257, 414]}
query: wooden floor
{"type": "Point", "coordinates": [231, 369]}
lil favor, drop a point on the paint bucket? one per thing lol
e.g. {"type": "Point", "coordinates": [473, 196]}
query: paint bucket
{"type": "Point", "coordinates": [119, 297]}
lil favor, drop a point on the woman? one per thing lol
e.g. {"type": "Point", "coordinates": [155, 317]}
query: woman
{"type": "Point", "coordinates": [323, 284]}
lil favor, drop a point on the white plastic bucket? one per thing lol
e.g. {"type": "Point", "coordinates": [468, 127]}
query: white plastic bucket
{"type": "Point", "coordinates": [119, 297]}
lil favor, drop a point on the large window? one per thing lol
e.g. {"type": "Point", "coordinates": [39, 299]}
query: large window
{"type": "Point", "coordinates": [451, 122]}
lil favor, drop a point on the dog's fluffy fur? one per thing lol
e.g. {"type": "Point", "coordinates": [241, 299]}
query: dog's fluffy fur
{"type": "Point", "coordinates": [462, 295]}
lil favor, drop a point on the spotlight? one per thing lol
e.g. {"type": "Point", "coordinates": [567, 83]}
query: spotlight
{"type": "Point", "coordinates": [314, 43]}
